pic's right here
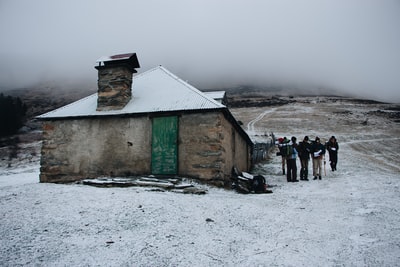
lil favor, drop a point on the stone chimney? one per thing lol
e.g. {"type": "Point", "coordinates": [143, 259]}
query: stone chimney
{"type": "Point", "coordinates": [115, 80]}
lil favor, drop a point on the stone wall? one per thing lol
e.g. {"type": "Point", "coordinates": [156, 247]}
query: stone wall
{"type": "Point", "coordinates": [201, 153]}
{"type": "Point", "coordinates": [88, 148]}
{"type": "Point", "coordinates": [240, 150]}
{"type": "Point", "coordinates": [114, 87]}
{"type": "Point", "coordinates": [208, 148]}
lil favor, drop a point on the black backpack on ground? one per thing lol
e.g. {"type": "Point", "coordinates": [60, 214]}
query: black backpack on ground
{"type": "Point", "coordinates": [259, 184]}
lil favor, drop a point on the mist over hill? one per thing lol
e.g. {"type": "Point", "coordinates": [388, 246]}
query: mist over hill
{"type": "Point", "coordinates": [351, 46]}
{"type": "Point", "coordinates": [44, 97]}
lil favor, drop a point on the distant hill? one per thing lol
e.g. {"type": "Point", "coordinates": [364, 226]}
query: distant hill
{"type": "Point", "coordinates": [42, 98]}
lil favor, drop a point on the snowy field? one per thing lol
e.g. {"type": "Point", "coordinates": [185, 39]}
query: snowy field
{"type": "Point", "coordinates": [349, 218]}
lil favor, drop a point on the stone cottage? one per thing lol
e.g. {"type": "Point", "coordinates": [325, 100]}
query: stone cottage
{"type": "Point", "coordinates": [151, 123]}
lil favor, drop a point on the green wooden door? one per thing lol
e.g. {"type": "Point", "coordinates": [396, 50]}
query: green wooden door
{"type": "Point", "coordinates": [164, 153]}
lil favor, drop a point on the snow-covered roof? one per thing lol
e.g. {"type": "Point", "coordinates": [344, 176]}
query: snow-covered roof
{"type": "Point", "coordinates": [129, 59]}
{"type": "Point", "coordinates": [216, 94]}
{"type": "Point", "coordinates": [155, 90]}
{"type": "Point", "coordinates": [115, 57]}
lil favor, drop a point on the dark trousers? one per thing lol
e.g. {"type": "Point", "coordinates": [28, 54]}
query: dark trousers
{"type": "Point", "coordinates": [333, 159]}
{"type": "Point", "coordinates": [291, 170]}
{"type": "Point", "coordinates": [304, 168]}
{"type": "Point", "coordinates": [333, 165]}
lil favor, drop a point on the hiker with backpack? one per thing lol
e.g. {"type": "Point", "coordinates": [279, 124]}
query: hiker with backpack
{"type": "Point", "coordinates": [318, 152]}
{"type": "Point", "coordinates": [333, 147]}
{"type": "Point", "coordinates": [281, 144]}
{"type": "Point", "coordinates": [304, 149]}
{"type": "Point", "coordinates": [291, 157]}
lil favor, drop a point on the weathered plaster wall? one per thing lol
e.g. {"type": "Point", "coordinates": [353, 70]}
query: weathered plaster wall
{"type": "Point", "coordinates": [240, 152]}
{"type": "Point", "coordinates": [86, 148]}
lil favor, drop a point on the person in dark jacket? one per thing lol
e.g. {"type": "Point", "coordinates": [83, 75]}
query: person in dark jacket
{"type": "Point", "coordinates": [318, 152]}
{"type": "Point", "coordinates": [281, 143]}
{"type": "Point", "coordinates": [291, 161]}
{"type": "Point", "coordinates": [333, 147]}
{"type": "Point", "coordinates": [304, 150]}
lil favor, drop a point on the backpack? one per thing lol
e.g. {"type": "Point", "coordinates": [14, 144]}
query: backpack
{"type": "Point", "coordinates": [287, 150]}
{"type": "Point", "coordinates": [259, 184]}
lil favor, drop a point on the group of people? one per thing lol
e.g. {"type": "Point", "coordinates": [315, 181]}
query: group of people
{"type": "Point", "coordinates": [306, 150]}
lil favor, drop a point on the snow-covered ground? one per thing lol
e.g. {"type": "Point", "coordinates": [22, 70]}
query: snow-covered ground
{"type": "Point", "coordinates": [349, 218]}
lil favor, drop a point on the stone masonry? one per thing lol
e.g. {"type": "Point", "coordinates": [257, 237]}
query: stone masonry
{"type": "Point", "coordinates": [114, 87]}
{"type": "Point", "coordinates": [119, 147]}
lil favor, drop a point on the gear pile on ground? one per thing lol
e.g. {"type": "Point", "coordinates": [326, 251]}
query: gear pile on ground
{"type": "Point", "coordinates": [247, 183]}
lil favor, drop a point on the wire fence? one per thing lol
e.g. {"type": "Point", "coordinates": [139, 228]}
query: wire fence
{"type": "Point", "coordinates": [261, 150]}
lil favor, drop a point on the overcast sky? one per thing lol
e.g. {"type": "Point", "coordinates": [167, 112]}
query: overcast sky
{"type": "Point", "coordinates": [350, 45]}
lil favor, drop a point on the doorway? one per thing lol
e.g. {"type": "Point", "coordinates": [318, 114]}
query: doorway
{"type": "Point", "coordinates": [164, 151]}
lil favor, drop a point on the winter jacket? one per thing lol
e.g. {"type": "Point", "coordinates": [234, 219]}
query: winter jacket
{"type": "Point", "coordinates": [318, 150]}
{"type": "Point", "coordinates": [304, 149]}
{"type": "Point", "coordinates": [332, 147]}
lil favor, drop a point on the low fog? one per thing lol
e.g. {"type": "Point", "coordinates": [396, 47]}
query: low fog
{"type": "Point", "coordinates": [351, 46]}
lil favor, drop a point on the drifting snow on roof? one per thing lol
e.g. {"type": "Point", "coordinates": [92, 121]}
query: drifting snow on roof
{"type": "Point", "coordinates": [216, 94]}
{"type": "Point", "coordinates": [155, 90]}
{"type": "Point", "coordinates": [115, 57]}
{"type": "Point", "coordinates": [129, 59]}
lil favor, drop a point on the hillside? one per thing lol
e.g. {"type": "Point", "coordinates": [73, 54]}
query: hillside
{"type": "Point", "coordinates": [43, 98]}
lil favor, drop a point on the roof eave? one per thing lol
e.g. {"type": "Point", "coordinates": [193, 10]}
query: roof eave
{"type": "Point", "coordinates": [124, 115]}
